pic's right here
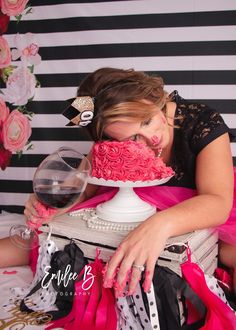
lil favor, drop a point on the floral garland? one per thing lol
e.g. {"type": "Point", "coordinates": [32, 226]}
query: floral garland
{"type": "Point", "coordinates": [20, 82]}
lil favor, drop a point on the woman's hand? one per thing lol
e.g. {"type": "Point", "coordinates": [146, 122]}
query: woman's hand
{"type": "Point", "coordinates": [36, 213]}
{"type": "Point", "coordinates": [141, 247]}
{"type": "Point", "coordinates": [30, 207]}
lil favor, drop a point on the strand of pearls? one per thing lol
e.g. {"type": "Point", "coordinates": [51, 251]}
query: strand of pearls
{"type": "Point", "coordinates": [100, 224]}
{"type": "Point", "coordinates": [159, 152]}
{"type": "Point", "coordinates": [94, 222]}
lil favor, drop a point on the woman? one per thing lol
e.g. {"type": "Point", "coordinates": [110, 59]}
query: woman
{"type": "Point", "coordinates": [192, 138]}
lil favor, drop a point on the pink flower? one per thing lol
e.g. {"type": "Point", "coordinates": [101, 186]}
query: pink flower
{"type": "Point", "coordinates": [13, 7]}
{"type": "Point", "coordinates": [5, 53]}
{"type": "Point", "coordinates": [20, 86]}
{"type": "Point", "coordinates": [16, 131]}
{"type": "Point", "coordinates": [5, 157]}
{"type": "Point", "coordinates": [27, 49]}
{"type": "Point", "coordinates": [4, 111]}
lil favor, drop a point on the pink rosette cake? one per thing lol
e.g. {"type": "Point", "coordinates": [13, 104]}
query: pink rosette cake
{"type": "Point", "coordinates": [127, 161]}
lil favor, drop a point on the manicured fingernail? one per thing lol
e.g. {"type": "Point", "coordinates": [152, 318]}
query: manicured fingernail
{"type": "Point", "coordinates": [130, 292]}
{"type": "Point", "coordinates": [119, 294]}
{"type": "Point", "coordinates": [147, 282]}
{"type": "Point", "coordinates": [104, 270]}
{"type": "Point", "coordinates": [108, 283]}
{"type": "Point", "coordinates": [119, 288]}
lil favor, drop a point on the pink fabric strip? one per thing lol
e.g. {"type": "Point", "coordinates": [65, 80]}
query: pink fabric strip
{"type": "Point", "coordinates": [225, 278]}
{"type": "Point", "coordinates": [219, 315]}
{"type": "Point", "coordinates": [81, 302]}
{"type": "Point", "coordinates": [112, 319]}
{"type": "Point", "coordinates": [102, 310]}
{"type": "Point", "coordinates": [95, 294]}
{"type": "Point", "coordinates": [71, 321]}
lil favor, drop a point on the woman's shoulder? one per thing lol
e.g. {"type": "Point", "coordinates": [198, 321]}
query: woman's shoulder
{"type": "Point", "coordinates": [199, 123]}
{"type": "Point", "coordinates": [190, 114]}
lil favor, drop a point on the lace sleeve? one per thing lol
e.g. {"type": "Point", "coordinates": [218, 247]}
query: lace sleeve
{"type": "Point", "coordinates": [209, 126]}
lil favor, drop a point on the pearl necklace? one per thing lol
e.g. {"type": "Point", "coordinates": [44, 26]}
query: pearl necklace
{"type": "Point", "coordinates": [94, 222]}
{"type": "Point", "coordinates": [159, 152]}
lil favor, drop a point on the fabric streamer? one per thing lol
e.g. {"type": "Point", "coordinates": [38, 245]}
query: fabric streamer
{"type": "Point", "coordinates": [225, 279]}
{"type": "Point", "coordinates": [132, 312]}
{"type": "Point", "coordinates": [53, 287]}
{"type": "Point", "coordinates": [93, 305]}
{"type": "Point", "coordinates": [41, 299]}
{"type": "Point", "coordinates": [219, 315]}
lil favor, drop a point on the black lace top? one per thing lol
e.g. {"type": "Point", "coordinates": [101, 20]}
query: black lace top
{"type": "Point", "coordinates": [196, 125]}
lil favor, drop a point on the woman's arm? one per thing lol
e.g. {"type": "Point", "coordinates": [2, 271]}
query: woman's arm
{"type": "Point", "coordinates": [211, 207]}
{"type": "Point", "coordinates": [10, 254]}
{"type": "Point", "coordinates": [214, 182]}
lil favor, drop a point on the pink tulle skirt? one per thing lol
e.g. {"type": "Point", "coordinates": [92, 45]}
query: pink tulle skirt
{"type": "Point", "coordinates": [164, 197]}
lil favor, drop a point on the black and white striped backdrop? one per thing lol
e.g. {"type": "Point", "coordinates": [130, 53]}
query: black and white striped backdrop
{"type": "Point", "coordinates": [190, 43]}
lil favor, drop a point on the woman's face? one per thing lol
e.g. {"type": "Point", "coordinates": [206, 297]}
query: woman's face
{"type": "Point", "coordinates": [154, 132]}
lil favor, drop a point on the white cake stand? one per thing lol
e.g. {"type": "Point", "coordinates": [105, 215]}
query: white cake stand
{"type": "Point", "coordinates": [125, 206]}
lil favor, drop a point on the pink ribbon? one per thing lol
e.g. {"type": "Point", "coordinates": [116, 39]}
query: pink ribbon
{"type": "Point", "coordinates": [219, 315]}
{"type": "Point", "coordinates": [225, 279]}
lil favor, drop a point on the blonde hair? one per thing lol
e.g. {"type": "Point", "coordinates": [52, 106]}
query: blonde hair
{"type": "Point", "coordinates": [119, 95]}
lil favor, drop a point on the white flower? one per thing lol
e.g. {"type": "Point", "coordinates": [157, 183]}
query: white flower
{"type": "Point", "coordinates": [26, 49]}
{"type": "Point", "coordinates": [20, 86]}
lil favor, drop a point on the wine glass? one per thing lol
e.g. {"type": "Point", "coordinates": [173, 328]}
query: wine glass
{"type": "Point", "coordinates": [58, 182]}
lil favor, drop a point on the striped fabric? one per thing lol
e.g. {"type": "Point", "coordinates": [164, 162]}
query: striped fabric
{"type": "Point", "coordinates": [190, 43]}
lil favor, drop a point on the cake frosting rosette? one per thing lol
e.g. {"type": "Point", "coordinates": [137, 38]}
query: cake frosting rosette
{"type": "Point", "coordinates": [127, 161]}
